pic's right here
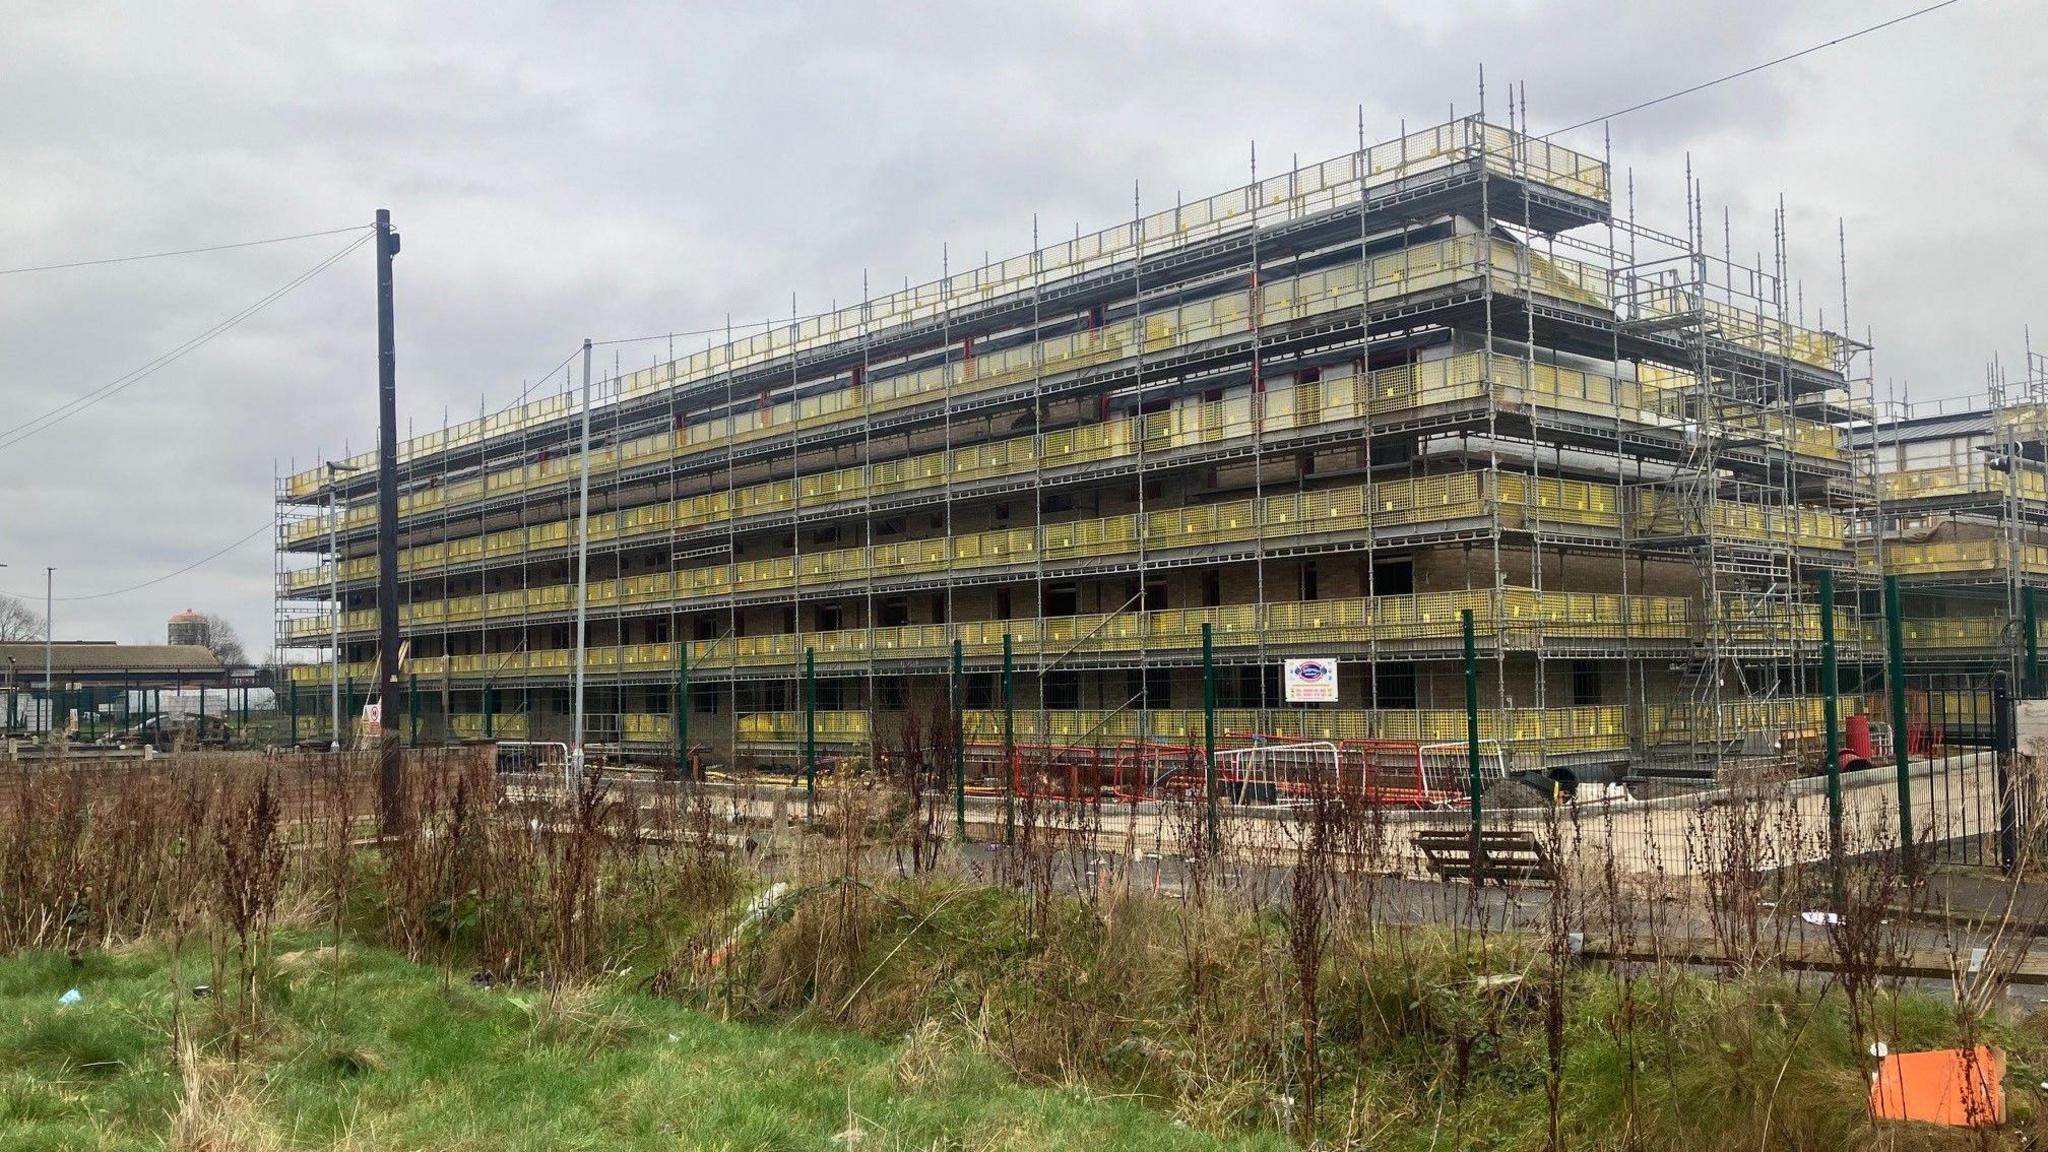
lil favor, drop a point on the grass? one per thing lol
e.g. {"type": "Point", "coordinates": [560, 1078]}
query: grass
{"type": "Point", "coordinates": [1425, 1048]}
{"type": "Point", "coordinates": [946, 1025]}
{"type": "Point", "coordinates": [397, 1056]}
{"type": "Point", "coordinates": [860, 1010]}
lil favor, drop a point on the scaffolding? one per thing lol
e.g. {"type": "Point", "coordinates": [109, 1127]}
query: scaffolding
{"type": "Point", "coordinates": [1962, 523]}
{"type": "Point", "coordinates": [1324, 413]}
{"type": "Point", "coordinates": [1767, 486]}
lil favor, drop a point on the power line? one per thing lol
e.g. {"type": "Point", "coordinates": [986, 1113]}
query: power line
{"type": "Point", "coordinates": [179, 252]}
{"type": "Point", "coordinates": [27, 428]}
{"type": "Point", "coordinates": [764, 325]}
{"type": "Point", "coordinates": [1754, 68]}
{"type": "Point", "coordinates": [768, 324]}
{"type": "Point", "coordinates": [204, 560]}
{"type": "Point", "coordinates": [527, 390]}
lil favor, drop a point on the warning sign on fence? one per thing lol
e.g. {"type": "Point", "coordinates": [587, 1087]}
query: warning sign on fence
{"type": "Point", "coordinates": [1311, 681]}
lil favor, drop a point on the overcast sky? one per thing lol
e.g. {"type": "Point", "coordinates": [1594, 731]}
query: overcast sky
{"type": "Point", "coordinates": [617, 170]}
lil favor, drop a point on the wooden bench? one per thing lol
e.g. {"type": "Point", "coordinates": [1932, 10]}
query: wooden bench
{"type": "Point", "coordinates": [1508, 855]}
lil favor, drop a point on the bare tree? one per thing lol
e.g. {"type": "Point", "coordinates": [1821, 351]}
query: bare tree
{"type": "Point", "coordinates": [223, 641]}
{"type": "Point", "coordinates": [18, 621]}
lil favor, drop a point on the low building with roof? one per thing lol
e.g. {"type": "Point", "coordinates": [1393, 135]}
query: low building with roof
{"type": "Point", "coordinates": [86, 673]}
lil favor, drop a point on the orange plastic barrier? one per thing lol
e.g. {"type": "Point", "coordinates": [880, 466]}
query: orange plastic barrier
{"type": "Point", "coordinates": [1958, 1088]}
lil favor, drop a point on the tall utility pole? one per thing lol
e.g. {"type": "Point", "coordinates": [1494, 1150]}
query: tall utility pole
{"type": "Point", "coordinates": [49, 642]}
{"type": "Point", "coordinates": [390, 816]}
{"type": "Point", "coordinates": [582, 581]}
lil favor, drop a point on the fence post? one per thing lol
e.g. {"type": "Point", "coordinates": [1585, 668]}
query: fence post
{"type": "Point", "coordinates": [1472, 780]}
{"type": "Point", "coordinates": [292, 695]}
{"type": "Point", "coordinates": [490, 698]}
{"type": "Point", "coordinates": [810, 727]}
{"type": "Point", "coordinates": [201, 737]}
{"type": "Point", "coordinates": [1830, 688]}
{"type": "Point", "coordinates": [412, 705]}
{"type": "Point", "coordinates": [959, 746]}
{"type": "Point", "coordinates": [1209, 732]}
{"type": "Point", "coordinates": [1895, 681]}
{"type": "Point", "coordinates": [2003, 739]}
{"type": "Point", "coordinates": [682, 725]}
{"type": "Point", "coordinates": [1009, 745]}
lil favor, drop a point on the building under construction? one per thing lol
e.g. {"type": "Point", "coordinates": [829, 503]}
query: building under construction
{"type": "Point", "coordinates": [1961, 525]}
{"type": "Point", "coordinates": [1322, 415]}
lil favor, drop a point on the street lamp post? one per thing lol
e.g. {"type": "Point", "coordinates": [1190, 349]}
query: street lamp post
{"type": "Point", "coordinates": [582, 581]}
{"type": "Point", "coordinates": [49, 640]}
{"type": "Point", "coordinates": [11, 680]}
{"type": "Point", "coordinates": [334, 469]}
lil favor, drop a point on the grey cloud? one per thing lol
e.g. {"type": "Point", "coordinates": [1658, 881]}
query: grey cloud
{"type": "Point", "coordinates": [619, 169]}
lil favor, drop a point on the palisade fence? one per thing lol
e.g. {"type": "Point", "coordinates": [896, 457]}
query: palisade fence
{"type": "Point", "coordinates": [1928, 766]}
{"type": "Point", "coordinates": [1455, 793]}
{"type": "Point", "coordinates": [137, 713]}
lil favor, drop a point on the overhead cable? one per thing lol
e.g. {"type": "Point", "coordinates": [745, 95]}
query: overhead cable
{"type": "Point", "coordinates": [181, 251]}
{"type": "Point", "coordinates": [22, 431]}
{"type": "Point", "coordinates": [1752, 69]}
